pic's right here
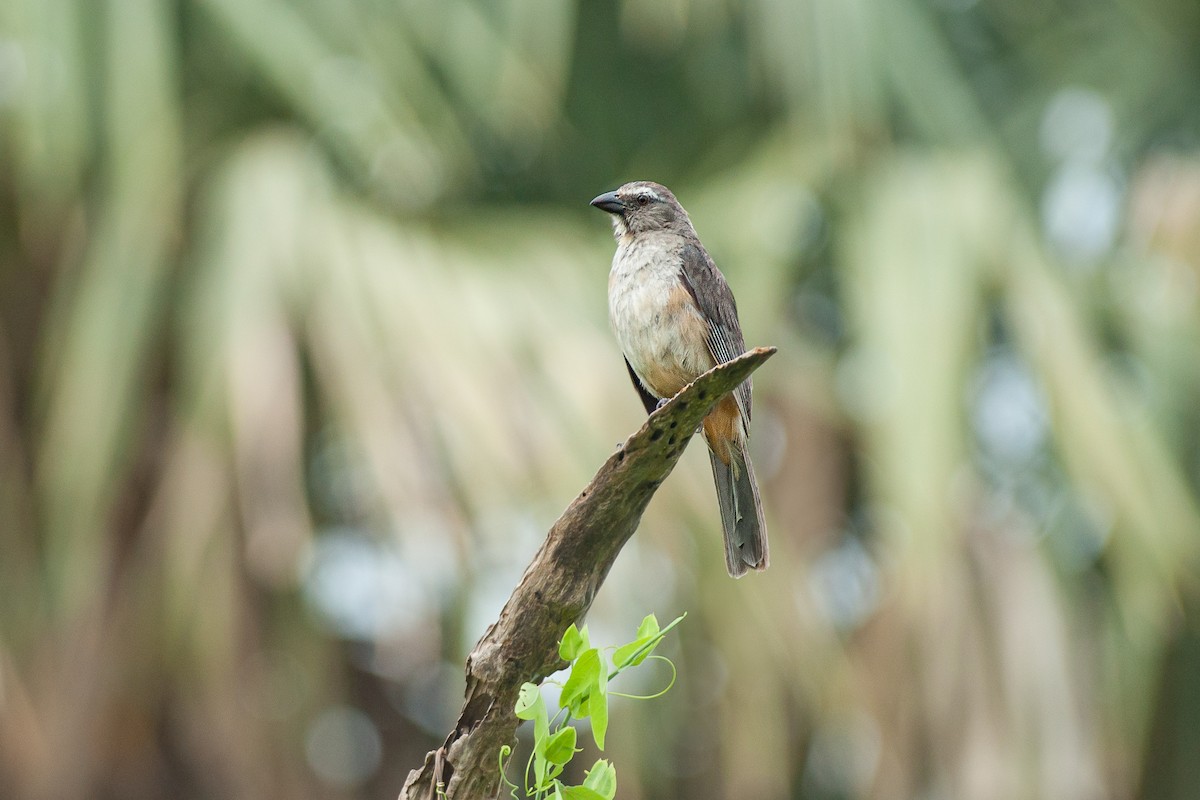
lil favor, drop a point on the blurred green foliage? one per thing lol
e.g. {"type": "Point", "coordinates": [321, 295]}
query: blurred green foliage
{"type": "Point", "coordinates": [303, 347]}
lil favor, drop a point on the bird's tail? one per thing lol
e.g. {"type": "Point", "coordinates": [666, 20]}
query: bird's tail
{"type": "Point", "coordinates": [741, 510]}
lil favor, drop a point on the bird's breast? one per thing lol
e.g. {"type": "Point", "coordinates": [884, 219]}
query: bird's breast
{"type": "Point", "coordinates": [656, 322]}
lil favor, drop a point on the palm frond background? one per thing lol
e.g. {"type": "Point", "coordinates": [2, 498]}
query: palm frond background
{"type": "Point", "coordinates": [303, 345]}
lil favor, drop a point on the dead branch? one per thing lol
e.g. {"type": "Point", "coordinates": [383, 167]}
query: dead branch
{"type": "Point", "coordinates": [558, 587]}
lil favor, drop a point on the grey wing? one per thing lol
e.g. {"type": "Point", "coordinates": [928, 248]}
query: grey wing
{"type": "Point", "coordinates": [648, 400]}
{"type": "Point", "coordinates": [713, 297]}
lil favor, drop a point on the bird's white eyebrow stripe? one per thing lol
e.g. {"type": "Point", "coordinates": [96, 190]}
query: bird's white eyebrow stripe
{"type": "Point", "coordinates": [648, 191]}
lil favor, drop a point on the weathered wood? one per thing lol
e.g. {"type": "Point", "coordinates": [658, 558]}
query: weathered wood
{"type": "Point", "coordinates": [558, 587]}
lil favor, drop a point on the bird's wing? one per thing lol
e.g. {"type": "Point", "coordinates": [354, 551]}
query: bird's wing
{"type": "Point", "coordinates": [712, 296]}
{"type": "Point", "coordinates": [648, 400]}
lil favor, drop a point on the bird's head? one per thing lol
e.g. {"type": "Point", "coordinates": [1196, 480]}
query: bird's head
{"type": "Point", "coordinates": [642, 207]}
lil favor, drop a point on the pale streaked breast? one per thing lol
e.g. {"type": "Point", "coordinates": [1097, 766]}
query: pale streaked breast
{"type": "Point", "coordinates": [656, 322]}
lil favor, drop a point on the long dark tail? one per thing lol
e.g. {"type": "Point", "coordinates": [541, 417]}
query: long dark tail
{"type": "Point", "coordinates": [741, 511]}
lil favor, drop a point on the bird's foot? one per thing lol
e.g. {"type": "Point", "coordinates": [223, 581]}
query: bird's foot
{"type": "Point", "coordinates": [662, 403]}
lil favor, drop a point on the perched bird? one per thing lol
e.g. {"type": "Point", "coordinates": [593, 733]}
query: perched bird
{"type": "Point", "coordinates": [675, 318]}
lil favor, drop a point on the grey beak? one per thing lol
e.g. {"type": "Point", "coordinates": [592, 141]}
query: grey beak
{"type": "Point", "coordinates": [609, 202]}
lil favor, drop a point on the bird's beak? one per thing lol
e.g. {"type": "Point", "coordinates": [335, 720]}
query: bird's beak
{"type": "Point", "coordinates": [609, 202]}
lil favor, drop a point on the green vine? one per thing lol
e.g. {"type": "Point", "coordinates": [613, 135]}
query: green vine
{"type": "Point", "coordinates": [584, 695]}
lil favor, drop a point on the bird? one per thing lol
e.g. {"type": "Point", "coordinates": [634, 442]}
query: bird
{"type": "Point", "coordinates": [674, 317]}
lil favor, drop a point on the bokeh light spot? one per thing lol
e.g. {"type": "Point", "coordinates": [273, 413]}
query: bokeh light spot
{"type": "Point", "coordinates": [343, 747]}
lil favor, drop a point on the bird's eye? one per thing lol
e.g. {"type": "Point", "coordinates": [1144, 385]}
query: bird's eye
{"type": "Point", "coordinates": [643, 199]}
